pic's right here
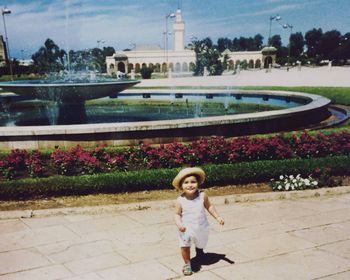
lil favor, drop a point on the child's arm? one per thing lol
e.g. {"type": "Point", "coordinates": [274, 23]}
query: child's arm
{"type": "Point", "coordinates": [177, 217]}
{"type": "Point", "coordinates": [211, 209]}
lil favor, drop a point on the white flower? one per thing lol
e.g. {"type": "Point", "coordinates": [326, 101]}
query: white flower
{"type": "Point", "coordinates": [281, 177]}
{"type": "Point", "coordinates": [298, 176]}
{"type": "Point", "coordinates": [279, 187]}
{"type": "Point", "coordinates": [315, 183]}
{"type": "Point", "coordinates": [294, 180]}
{"type": "Point", "coordinates": [287, 186]}
{"type": "Point", "coordinates": [307, 182]}
{"type": "Point", "coordinates": [291, 177]}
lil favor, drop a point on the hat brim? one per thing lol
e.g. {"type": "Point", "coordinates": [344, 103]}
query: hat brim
{"type": "Point", "coordinates": [198, 172]}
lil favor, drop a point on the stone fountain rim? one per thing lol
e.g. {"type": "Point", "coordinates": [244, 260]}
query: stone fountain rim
{"type": "Point", "coordinates": [72, 84]}
{"type": "Point", "coordinates": [316, 102]}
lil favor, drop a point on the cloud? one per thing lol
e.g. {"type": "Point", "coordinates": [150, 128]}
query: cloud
{"type": "Point", "coordinates": [79, 24]}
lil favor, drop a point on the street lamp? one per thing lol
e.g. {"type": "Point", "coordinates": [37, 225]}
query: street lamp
{"type": "Point", "coordinates": [166, 33]}
{"type": "Point", "coordinates": [4, 12]}
{"type": "Point", "coordinates": [276, 18]}
{"type": "Point", "coordinates": [285, 26]}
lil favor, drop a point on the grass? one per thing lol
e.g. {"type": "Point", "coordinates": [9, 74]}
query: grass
{"type": "Point", "coordinates": [338, 95]}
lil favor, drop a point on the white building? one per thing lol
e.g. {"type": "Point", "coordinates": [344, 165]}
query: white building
{"type": "Point", "coordinates": [179, 59]}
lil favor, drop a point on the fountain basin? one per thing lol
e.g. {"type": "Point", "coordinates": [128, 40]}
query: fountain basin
{"type": "Point", "coordinates": [67, 91]}
{"type": "Point", "coordinates": [165, 131]}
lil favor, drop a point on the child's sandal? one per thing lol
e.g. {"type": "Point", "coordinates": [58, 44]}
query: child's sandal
{"type": "Point", "coordinates": [187, 270]}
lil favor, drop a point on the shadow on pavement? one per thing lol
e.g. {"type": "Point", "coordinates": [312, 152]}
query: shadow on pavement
{"type": "Point", "coordinates": [208, 259]}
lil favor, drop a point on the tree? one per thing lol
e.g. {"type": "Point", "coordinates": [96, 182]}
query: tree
{"type": "Point", "coordinates": [345, 47]}
{"type": "Point", "coordinates": [312, 42]}
{"type": "Point", "coordinates": [49, 58]}
{"type": "Point", "coordinates": [223, 44]}
{"type": "Point", "coordinates": [207, 56]}
{"type": "Point", "coordinates": [258, 42]}
{"type": "Point", "coordinates": [296, 45]}
{"type": "Point", "coordinates": [329, 44]}
{"type": "Point", "coordinates": [90, 59]}
{"type": "Point", "coordinates": [276, 41]}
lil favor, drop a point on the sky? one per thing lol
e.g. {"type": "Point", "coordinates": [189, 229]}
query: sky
{"type": "Point", "coordinates": [84, 24]}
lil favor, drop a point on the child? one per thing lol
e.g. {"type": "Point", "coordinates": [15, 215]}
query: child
{"type": "Point", "coordinates": [190, 216]}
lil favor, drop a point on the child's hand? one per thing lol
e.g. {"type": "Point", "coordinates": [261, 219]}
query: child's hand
{"type": "Point", "coordinates": [221, 221]}
{"type": "Point", "coordinates": [182, 229]}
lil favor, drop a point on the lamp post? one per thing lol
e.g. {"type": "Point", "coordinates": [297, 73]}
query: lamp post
{"type": "Point", "coordinates": [285, 26]}
{"type": "Point", "coordinates": [4, 12]}
{"type": "Point", "coordinates": [276, 18]}
{"type": "Point", "coordinates": [166, 33]}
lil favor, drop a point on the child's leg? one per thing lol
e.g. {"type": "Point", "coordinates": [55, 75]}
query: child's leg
{"type": "Point", "coordinates": [186, 254]}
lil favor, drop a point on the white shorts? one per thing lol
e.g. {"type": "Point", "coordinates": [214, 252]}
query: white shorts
{"type": "Point", "coordinates": [198, 236]}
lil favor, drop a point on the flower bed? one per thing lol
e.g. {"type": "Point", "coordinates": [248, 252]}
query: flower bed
{"type": "Point", "coordinates": [215, 150]}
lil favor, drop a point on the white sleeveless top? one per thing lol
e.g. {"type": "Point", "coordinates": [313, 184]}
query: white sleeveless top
{"type": "Point", "coordinates": [193, 211]}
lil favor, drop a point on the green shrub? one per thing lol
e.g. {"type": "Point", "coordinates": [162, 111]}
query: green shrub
{"type": "Point", "coordinates": [131, 181]}
{"type": "Point", "coordinates": [146, 72]}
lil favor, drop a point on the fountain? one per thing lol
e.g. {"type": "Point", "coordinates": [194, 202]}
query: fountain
{"type": "Point", "coordinates": [308, 109]}
{"type": "Point", "coordinates": [69, 96]}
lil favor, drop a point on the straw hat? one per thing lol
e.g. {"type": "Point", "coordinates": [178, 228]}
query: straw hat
{"type": "Point", "coordinates": [198, 172]}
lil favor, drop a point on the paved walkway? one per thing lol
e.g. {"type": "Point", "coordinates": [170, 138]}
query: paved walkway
{"type": "Point", "coordinates": [307, 76]}
{"type": "Point", "coordinates": [304, 238]}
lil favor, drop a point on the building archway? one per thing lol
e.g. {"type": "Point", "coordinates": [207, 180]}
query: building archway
{"type": "Point", "coordinates": [238, 63]}
{"type": "Point", "coordinates": [121, 67]}
{"type": "Point", "coordinates": [137, 68]}
{"type": "Point", "coordinates": [184, 67]}
{"type": "Point", "coordinates": [258, 63]}
{"type": "Point", "coordinates": [177, 67]}
{"type": "Point", "coordinates": [157, 68]}
{"type": "Point", "coordinates": [164, 68]}
{"type": "Point", "coordinates": [131, 67]}
{"type": "Point", "coordinates": [251, 63]}
{"type": "Point", "coordinates": [267, 61]}
{"type": "Point", "coordinates": [171, 66]}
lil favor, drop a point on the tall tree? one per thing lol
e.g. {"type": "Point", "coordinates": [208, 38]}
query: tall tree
{"type": "Point", "coordinates": [207, 56]}
{"type": "Point", "coordinates": [296, 45]}
{"type": "Point", "coordinates": [49, 58]}
{"type": "Point", "coordinates": [329, 44]}
{"type": "Point", "coordinates": [258, 42]}
{"type": "Point", "coordinates": [345, 47]}
{"type": "Point", "coordinates": [312, 42]}
{"type": "Point", "coordinates": [223, 44]}
{"type": "Point", "coordinates": [276, 41]}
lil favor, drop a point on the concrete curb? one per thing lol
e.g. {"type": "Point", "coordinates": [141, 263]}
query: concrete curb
{"type": "Point", "coordinates": [162, 204]}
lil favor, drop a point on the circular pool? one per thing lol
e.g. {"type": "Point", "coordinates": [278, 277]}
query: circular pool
{"type": "Point", "coordinates": [173, 115]}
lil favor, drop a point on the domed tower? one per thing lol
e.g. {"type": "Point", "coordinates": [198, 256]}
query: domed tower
{"type": "Point", "coordinates": [179, 32]}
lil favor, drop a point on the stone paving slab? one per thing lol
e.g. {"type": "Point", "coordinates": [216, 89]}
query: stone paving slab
{"type": "Point", "coordinates": [305, 264]}
{"type": "Point", "coordinates": [46, 273]}
{"type": "Point", "coordinates": [339, 276]}
{"type": "Point", "coordinates": [140, 270]}
{"type": "Point", "coordinates": [19, 260]}
{"type": "Point", "coordinates": [303, 238]}
{"type": "Point", "coordinates": [36, 237]}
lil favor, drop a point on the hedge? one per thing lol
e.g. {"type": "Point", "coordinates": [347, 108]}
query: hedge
{"type": "Point", "coordinates": [131, 181]}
